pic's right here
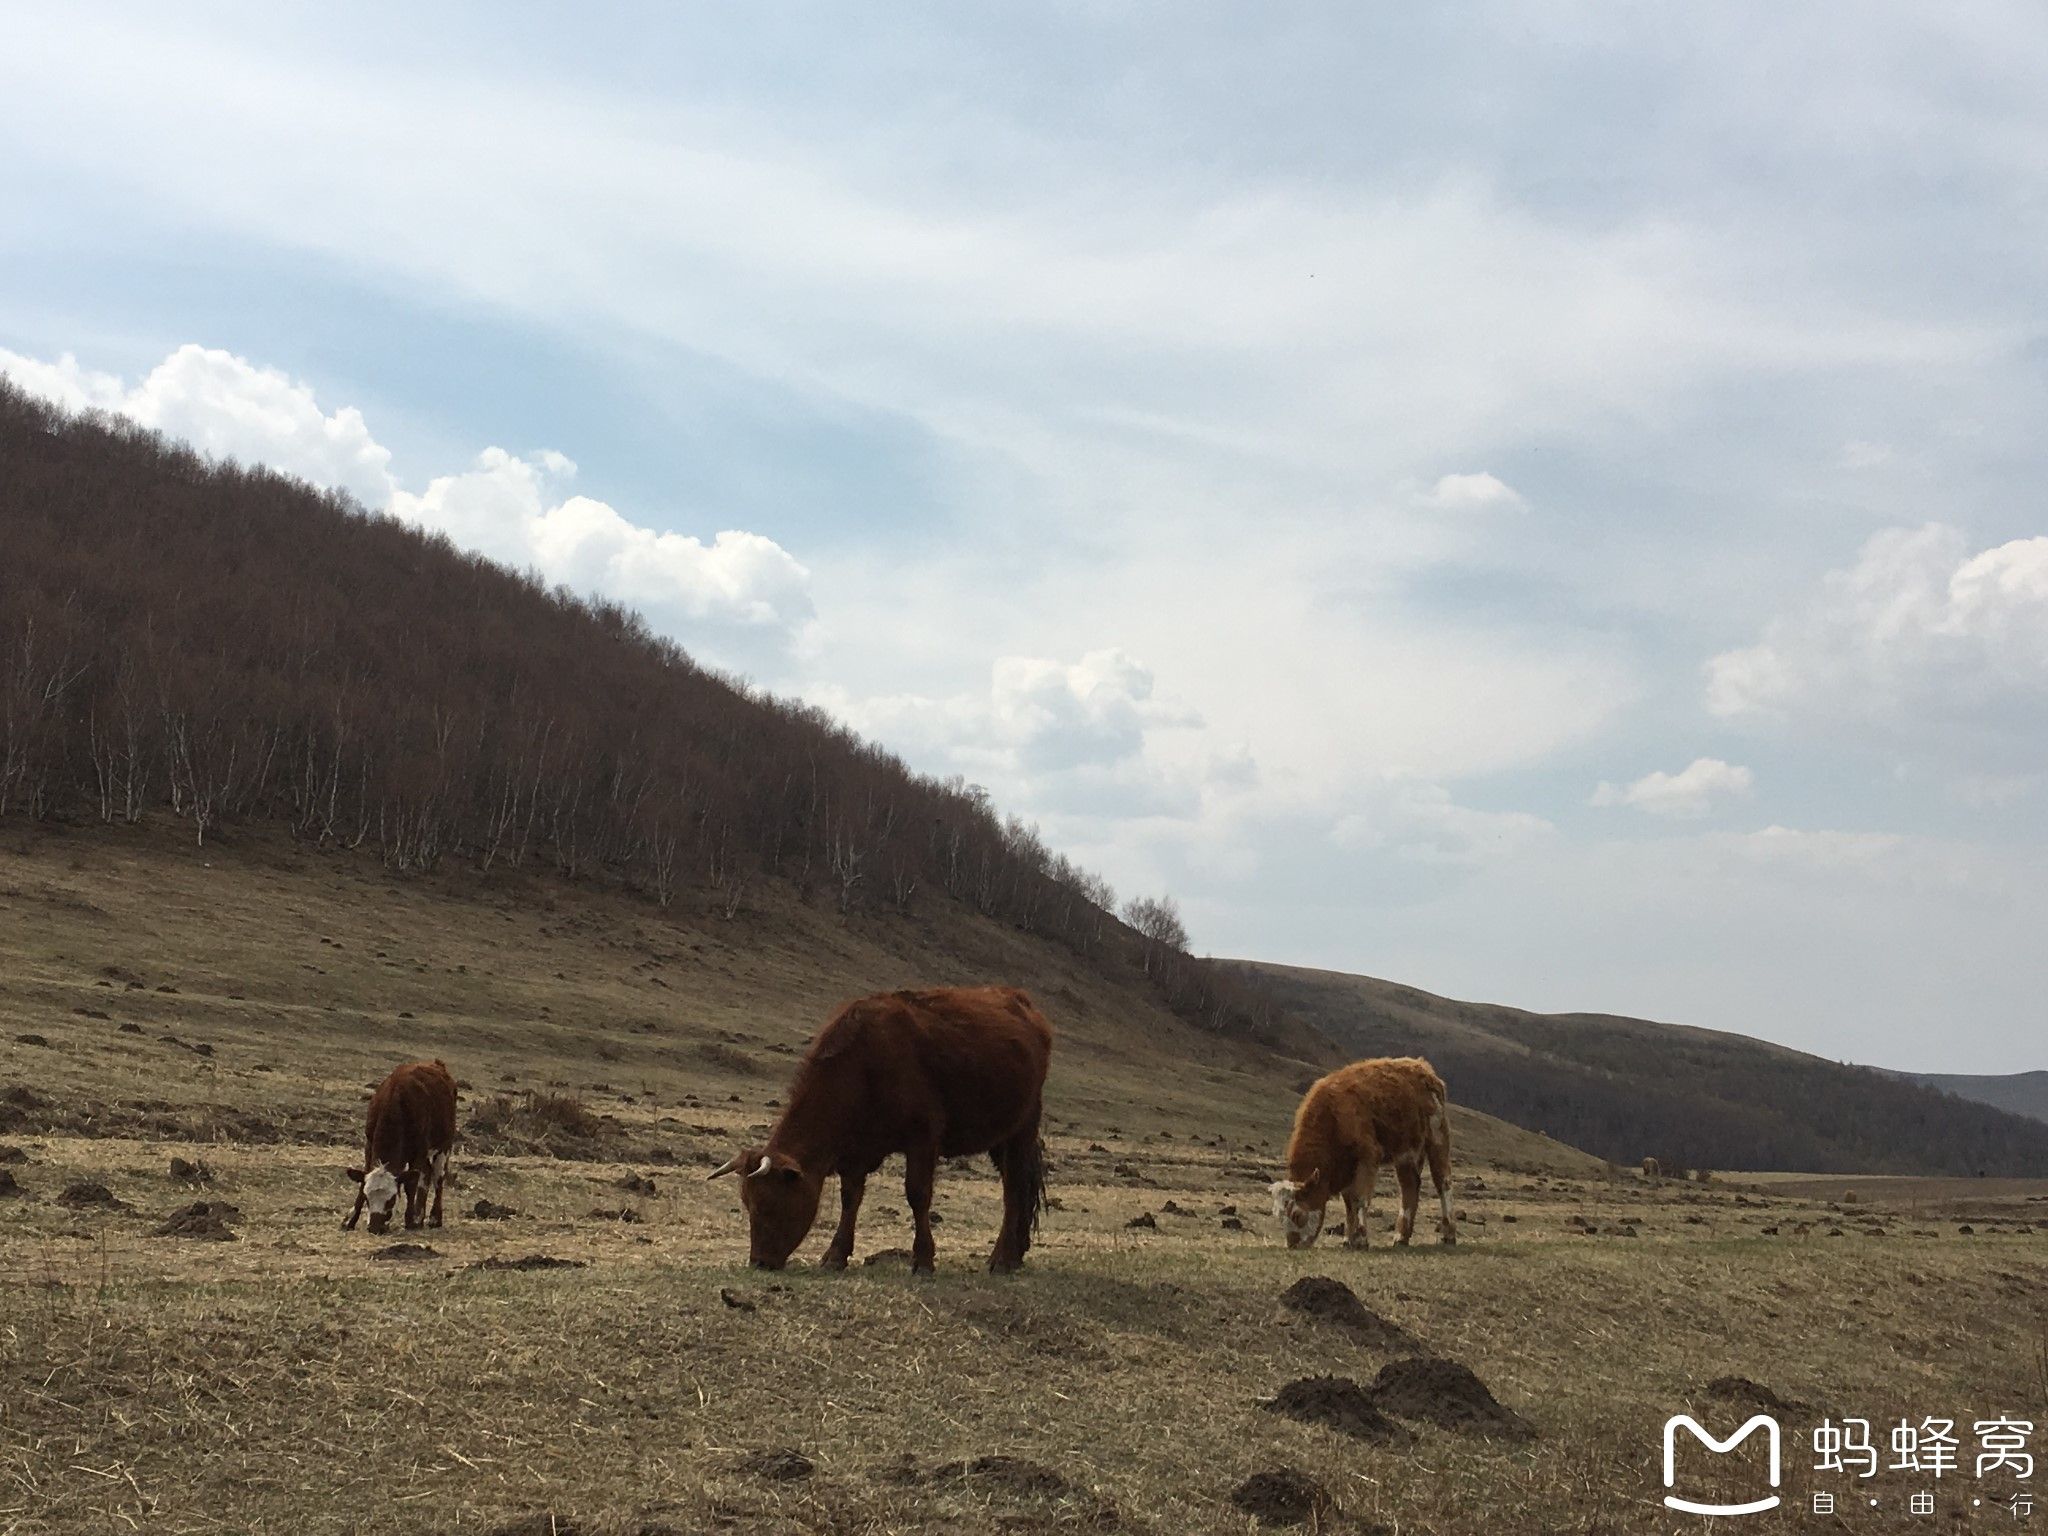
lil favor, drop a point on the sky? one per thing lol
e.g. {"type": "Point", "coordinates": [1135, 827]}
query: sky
{"type": "Point", "coordinates": [1542, 504]}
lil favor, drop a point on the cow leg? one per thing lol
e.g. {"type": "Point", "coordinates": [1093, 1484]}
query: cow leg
{"type": "Point", "coordinates": [1439, 1150]}
{"type": "Point", "coordinates": [1358, 1205]}
{"type": "Point", "coordinates": [1410, 1178]}
{"type": "Point", "coordinates": [919, 1169]}
{"type": "Point", "coordinates": [355, 1215]}
{"type": "Point", "coordinates": [440, 1178]}
{"type": "Point", "coordinates": [1023, 1171]}
{"type": "Point", "coordinates": [852, 1185]}
{"type": "Point", "coordinates": [415, 1199]}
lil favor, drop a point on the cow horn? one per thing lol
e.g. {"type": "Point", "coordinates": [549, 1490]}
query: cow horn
{"type": "Point", "coordinates": [730, 1165]}
{"type": "Point", "coordinates": [762, 1167]}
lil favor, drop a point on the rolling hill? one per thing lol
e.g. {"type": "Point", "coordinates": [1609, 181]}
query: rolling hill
{"type": "Point", "coordinates": [1630, 1088]}
{"type": "Point", "coordinates": [2017, 1093]}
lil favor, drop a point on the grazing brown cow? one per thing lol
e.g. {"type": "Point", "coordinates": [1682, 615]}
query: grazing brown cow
{"type": "Point", "coordinates": [410, 1133]}
{"type": "Point", "coordinates": [945, 1073]}
{"type": "Point", "coordinates": [1390, 1110]}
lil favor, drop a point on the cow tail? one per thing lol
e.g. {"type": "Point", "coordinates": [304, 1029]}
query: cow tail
{"type": "Point", "coordinates": [1031, 1183]}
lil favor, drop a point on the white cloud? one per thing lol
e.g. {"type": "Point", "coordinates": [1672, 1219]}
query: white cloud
{"type": "Point", "coordinates": [1860, 454]}
{"type": "Point", "coordinates": [1917, 627]}
{"type": "Point", "coordinates": [1689, 793]}
{"type": "Point", "coordinates": [515, 511]}
{"type": "Point", "coordinates": [1060, 737]}
{"type": "Point", "coordinates": [1476, 492]}
{"type": "Point", "coordinates": [1419, 821]}
{"type": "Point", "coordinates": [738, 600]}
{"type": "Point", "coordinates": [227, 408]}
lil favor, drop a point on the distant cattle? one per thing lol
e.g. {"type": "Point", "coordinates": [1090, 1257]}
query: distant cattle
{"type": "Point", "coordinates": [1350, 1122]}
{"type": "Point", "coordinates": [944, 1073]}
{"type": "Point", "coordinates": [1652, 1169]}
{"type": "Point", "coordinates": [410, 1132]}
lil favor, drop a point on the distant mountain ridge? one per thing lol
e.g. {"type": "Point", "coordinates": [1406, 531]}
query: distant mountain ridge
{"type": "Point", "coordinates": [1626, 1089]}
{"type": "Point", "coordinates": [2017, 1093]}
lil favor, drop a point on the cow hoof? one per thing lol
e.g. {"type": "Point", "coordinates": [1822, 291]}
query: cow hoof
{"type": "Point", "coordinates": [923, 1272]}
{"type": "Point", "coordinates": [1004, 1266]}
{"type": "Point", "coordinates": [1450, 1240]}
{"type": "Point", "coordinates": [832, 1261]}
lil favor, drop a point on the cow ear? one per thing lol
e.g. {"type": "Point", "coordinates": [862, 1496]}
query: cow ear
{"type": "Point", "coordinates": [355, 1175]}
{"type": "Point", "coordinates": [791, 1174]}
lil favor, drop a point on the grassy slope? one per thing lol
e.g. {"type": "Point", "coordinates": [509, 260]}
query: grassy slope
{"type": "Point", "coordinates": [293, 1381]}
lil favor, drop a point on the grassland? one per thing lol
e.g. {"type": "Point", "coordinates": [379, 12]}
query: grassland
{"type": "Point", "coordinates": [230, 1007]}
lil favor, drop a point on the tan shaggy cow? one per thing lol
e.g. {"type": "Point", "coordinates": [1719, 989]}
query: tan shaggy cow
{"type": "Point", "coordinates": [1652, 1169]}
{"type": "Point", "coordinates": [1371, 1112]}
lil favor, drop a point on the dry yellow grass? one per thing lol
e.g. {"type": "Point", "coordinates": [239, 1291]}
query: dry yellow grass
{"type": "Point", "coordinates": [292, 1380]}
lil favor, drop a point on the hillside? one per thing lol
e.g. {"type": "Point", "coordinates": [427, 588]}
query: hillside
{"type": "Point", "coordinates": [217, 647]}
{"type": "Point", "coordinates": [1629, 1088]}
{"type": "Point", "coordinates": [2017, 1093]}
{"type": "Point", "coordinates": [249, 991]}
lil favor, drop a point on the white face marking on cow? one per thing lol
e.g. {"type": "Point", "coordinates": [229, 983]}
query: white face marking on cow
{"type": "Point", "coordinates": [380, 1193]}
{"type": "Point", "coordinates": [1304, 1223]}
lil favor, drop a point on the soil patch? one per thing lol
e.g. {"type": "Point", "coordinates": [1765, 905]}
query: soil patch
{"type": "Point", "coordinates": [1446, 1394]}
{"type": "Point", "coordinates": [207, 1219]}
{"type": "Point", "coordinates": [1006, 1474]}
{"type": "Point", "coordinates": [85, 1193]}
{"type": "Point", "coordinates": [1332, 1301]}
{"type": "Point", "coordinates": [529, 1262]}
{"type": "Point", "coordinates": [1753, 1394]}
{"type": "Point", "coordinates": [405, 1253]}
{"type": "Point", "coordinates": [488, 1210]}
{"type": "Point", "coordinates": [1282, 1496]}
{"type": "Point", "coordinates": [1336, 1403]}
{"type": "Point", "coordinates": [781, 1465]}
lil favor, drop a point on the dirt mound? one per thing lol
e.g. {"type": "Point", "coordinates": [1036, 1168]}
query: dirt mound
{"type": "Point", "coordinates": [12, 1155]}
{"type": "Point", "coordinates": [1147, 1222]}
{"type": "Point", "coordinates": [636, 1184]}
{"type": "Point", "coordinates": [83, 1193]}
{"type": "Point", "coordinates": [405, 1253]}
{"type": "Point", "coordinates": [1753, 1394]}
{"type": "Point", "coordinates": [781, 1465]}
{"type": "Point", "coordinates": [544, 1124]}
{"type": "Point", "coordinates": [488, 1210]}
{"type": "Point", "coordinates": [1282, 1496]}
{"type": "Point", "coordinates": [1005, 1474]}
{"type": "Point", "coordinates": [1337, 1403]}
{"type": "Point", "coordinates": [1332, 1301]}
{"type": "Point", "coordinates": [191, 1172]}
{"type": "Point", "coordinates": [529, 1262]}
{"type": "Point", "coordinates": [625, 1214]}
{"type": "Point", "coordinates": [888, 1256]}
{"type": "Point", "coordinates": [8, 1186]}
{"type": "Point", "coordinates": [1447, 1394]}
{"type": "Point", "coordinates": [207, 1219]}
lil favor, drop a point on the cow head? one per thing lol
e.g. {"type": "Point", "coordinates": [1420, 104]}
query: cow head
{"type": "Point", "coordinates": [781, 1201]}
{"type": "Point", "coordinates": [380, 1194]}
{"type": "Point", "coordinates": [1293, 1205]}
